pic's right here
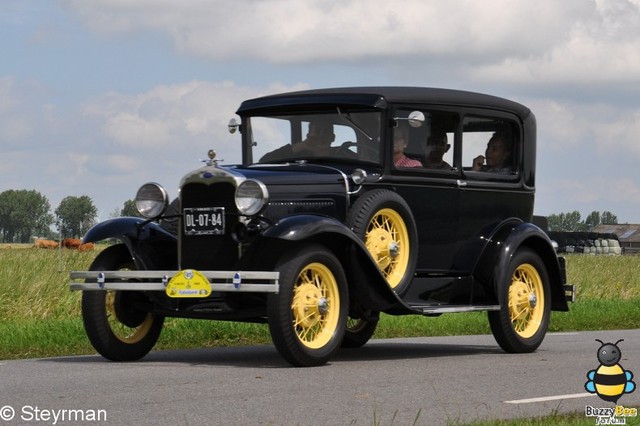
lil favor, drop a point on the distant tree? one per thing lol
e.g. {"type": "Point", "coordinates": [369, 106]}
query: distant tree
{"type": "Point", "coordinates": [566, 222]}
{"type": "Point", "coordinates": [23, 214]}
{"type": "Point", "coordinates": [76, 215]}
{"type": "Point", "coordinates": [571, 221]}
{"type": "Point", "coordinates": [608, 218]}
{"type": "Point", "coordinates": [592, 220]}
{"type": "Point", "coordinates": [130, 209]}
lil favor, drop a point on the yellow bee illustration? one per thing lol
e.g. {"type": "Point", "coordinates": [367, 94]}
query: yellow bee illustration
{"type": "Point", "coordinates": [610, 381]}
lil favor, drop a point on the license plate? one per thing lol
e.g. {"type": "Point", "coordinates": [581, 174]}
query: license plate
{"type": "Point", "coordinates": [204, 221]}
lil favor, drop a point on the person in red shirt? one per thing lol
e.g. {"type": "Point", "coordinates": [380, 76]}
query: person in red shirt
{"type": "Point", "coordinates": [399, 144]}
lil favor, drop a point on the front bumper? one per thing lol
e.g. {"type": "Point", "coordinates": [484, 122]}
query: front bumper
{"type": "Point", "coordinates": [220, 281]}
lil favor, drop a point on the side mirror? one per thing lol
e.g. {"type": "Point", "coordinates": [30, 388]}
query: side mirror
{"type": "Point", "coordinates": [233, 125]}
{"type": "Point", "coordinates": [415, 119]}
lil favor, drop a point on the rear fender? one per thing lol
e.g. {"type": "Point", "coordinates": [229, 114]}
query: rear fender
{"type": "Point", "coordinates": [366, 283]}
{"type": "Point", "coordinates": [508, 237]}
{"type": "Point", "coordinates": [150, 245]}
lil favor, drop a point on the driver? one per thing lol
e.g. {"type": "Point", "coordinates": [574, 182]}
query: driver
{"type": "Point", "coordinates": [317, 143]}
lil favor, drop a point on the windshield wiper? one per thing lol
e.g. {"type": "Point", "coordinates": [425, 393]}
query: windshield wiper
{"type": "Point", "coordinates": [346, 117]}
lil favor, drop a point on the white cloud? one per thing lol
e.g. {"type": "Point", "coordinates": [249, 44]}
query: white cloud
{"type": "Point", "coordinates": [172, 116]}
{"type": "Point", "coordinates": [319, 30]}
{"type": "Point", "coordinates": [501, 40]}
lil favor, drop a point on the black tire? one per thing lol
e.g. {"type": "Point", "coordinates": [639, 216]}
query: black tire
{"type": "Point", "coordinates": [306, 321]}
{"type": "Point", "coordinates": [525, 304]}
{"type": "Point", "coordinates": [358, 332]}
{"type": "Point", "coordinates": [383, 220]}
{"type": "Point", "coordinates": [116, 329]}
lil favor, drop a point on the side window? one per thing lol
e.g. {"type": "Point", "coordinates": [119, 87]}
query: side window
{"type": "Point", "coordinates": [490, 145]}
{"type": "Point", "coordinates": [429, 146]}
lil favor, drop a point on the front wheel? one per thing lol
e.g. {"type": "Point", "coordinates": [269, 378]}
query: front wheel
{"type": "Point", "coordinates": [525, 306]}
{"type": "Point", "coordinates": [308, 316]}
{"type": "Point", "coordinates": [115, 322]}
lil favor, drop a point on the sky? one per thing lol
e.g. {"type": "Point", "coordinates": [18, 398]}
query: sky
{"type": "Point", "coordinates": [98, 97]}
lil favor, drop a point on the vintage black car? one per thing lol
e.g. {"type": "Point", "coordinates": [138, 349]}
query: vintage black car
{"type": "Point", "coordinates": [349, 202]}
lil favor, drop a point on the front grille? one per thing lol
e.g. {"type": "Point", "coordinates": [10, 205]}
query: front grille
{"type": "Point", "coordinates": [209, 252]}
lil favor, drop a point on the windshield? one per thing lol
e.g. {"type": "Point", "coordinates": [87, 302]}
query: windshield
{"type": "Point", "coordinates": [341, 135]}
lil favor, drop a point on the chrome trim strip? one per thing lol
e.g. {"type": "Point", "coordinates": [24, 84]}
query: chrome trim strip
{"type": "Point", "coordinates": [450, 309]}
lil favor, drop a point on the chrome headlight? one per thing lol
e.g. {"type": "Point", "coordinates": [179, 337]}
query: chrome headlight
{"type": "Point", "coordinates": [251, 197]}
{"type": "Point", "coordinates": [151, 200]}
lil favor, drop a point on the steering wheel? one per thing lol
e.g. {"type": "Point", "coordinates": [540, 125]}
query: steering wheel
{"type": "Point", "coordinates": [344, 149]}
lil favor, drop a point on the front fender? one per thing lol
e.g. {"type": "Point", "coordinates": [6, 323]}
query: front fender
{"type": "Point", "coordinates": [366, 283]}
{"type": "Point", "coordinates": [304, 226]}
{"type": "Point", "coordinates": [150, 245]}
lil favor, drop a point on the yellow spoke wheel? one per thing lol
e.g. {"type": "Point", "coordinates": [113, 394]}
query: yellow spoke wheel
{"type": "Point", "coordinates": [308, 316]}
{"type": "Point", "coordinates": [521, 322]}
{"type": "Point", "coordinates": [383, 221]}
{"type": "Point", "coordinates": [387, 240]}
{"type": "Point", "coordinates": [526, 300]}
{"type": "Point", "coordinates": [314, 296]}
{"type": "Point", "coordinates": [122, 332]}
{"type": "Point", "coordinates": [115, 321]}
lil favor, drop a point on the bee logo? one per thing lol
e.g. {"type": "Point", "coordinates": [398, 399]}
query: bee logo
{"type": "Point", "coordinates": [610, 381]}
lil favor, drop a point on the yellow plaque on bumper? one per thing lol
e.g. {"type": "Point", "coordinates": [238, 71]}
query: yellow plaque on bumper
{"type": "Point", "coordinates": [188, 283]}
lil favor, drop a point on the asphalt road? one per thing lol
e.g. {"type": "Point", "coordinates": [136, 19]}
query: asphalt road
{"type": "Point", "coordinates": [422, 381]}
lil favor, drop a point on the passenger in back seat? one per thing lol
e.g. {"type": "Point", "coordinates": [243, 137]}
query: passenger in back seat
{"type": "Point", "coordinates": [437, 146]}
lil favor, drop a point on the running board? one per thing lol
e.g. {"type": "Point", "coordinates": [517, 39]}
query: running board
{"type": "Point", "coordinates": [437, 310]}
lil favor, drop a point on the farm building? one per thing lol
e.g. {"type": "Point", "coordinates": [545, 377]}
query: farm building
{"type": "Point", "coordinates": [628, 235]}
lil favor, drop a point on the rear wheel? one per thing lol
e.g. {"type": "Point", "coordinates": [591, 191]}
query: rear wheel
{"type": "Point", "coordinates": [308, 316]}
{"type": "Point", "coordinates": [116, 324]}
{"type": "Point", "coordinates": [525, 306]}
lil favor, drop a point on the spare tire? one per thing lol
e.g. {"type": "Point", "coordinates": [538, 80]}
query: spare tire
{"type": "Point", "coordinates": [383, 220]}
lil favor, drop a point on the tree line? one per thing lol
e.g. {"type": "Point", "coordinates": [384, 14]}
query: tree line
{"type": "Point", "coordinates": [572, 221]}
{"type": "Point", "coordinates": [25, 214]}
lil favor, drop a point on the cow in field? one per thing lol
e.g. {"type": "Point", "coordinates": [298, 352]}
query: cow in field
{"type": "Point", "coordinates": [47, 244]}
{"type": "Point", "coordinates": [85, 247]}
{"type": "Point", "coordinates": [72, 243]}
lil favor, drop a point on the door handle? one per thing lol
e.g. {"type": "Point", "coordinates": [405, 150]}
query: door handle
{"type": "Point", "coordinates": [461, 183]}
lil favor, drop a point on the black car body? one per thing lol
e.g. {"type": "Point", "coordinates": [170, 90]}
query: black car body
{"type": "Point", "coordinates": [317, 240]}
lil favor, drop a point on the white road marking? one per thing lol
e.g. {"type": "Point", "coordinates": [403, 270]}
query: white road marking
{"type": "Point", "coordinates": [549, 398]}
{"type": "Point", "coordinates": [563, 333]}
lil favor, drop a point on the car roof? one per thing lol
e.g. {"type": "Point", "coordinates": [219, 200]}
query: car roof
{"type": "Point", "coordinates": [379, 96]}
